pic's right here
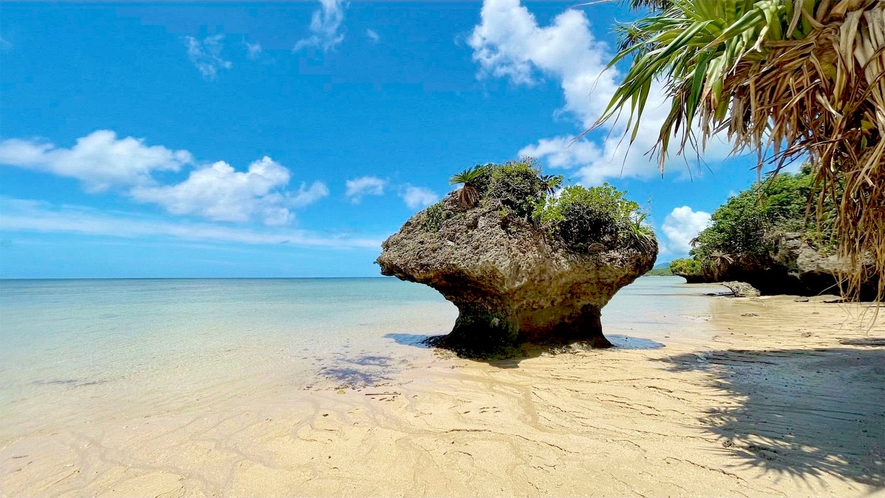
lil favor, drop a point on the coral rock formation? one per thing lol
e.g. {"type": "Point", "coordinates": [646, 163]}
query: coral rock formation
{"type": "Point", "coordinates": [510, 279]}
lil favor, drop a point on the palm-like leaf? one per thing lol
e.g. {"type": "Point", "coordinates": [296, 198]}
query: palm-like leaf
{"type": "Point", "coordinates": [649, 4]}
{"type": "Point", "coordinates": [551, 183]}
{"type": "Point", "coordinates": [468, 196]}
{"type": "Point", "coordinates": [784, 78]}
{"type": "Point", "coordinates": [469, 175]}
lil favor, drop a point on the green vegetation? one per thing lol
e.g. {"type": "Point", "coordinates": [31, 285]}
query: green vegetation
{"type": "Point", "coordinates": [518, 186]}
{"type": "Point", "coordinates": [551, 183]}
{"type": "Point", "coordinates": [478, 178]}
{"type": "Point", "coordinates": [748, 223]}
{"type": "Point", "coordinates": [747, 227]}
{"type": "Point", "coordinates": [581, 217]}
{"type": "Point", "coordinates": [686, 267]}
{"type": "Point", "coordinates": [791, 79]}
{"type": "Point", "coordinates": [434, 217]}
{"type": "Point", "coordinates": [660, 270]}
{"type": "Point", "coordinates": [468, 195]}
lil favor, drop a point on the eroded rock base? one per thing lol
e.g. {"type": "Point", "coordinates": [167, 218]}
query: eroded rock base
{"type": "Point", "coordinates": [585, 328]}
{"type": "Point", "coordinates": [483, 333]}
{"type": "Point", "coordinates": [489, 334]}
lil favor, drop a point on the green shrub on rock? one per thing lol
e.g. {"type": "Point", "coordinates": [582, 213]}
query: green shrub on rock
{"type": "Point", "coordinates": [518, 186]}
{"type": "Point", "coordinates": [434, 217]}
{"type": "Point", "coordinates": [747, 227]}
{"type": "Point", "coordinates": [747, 223]}
{"type": "Point", "coordinates": [583, 217]}
{"type": "Point", "coordinates": [771, 237]}
{"type": "Point", "coordinates": [686, 267]}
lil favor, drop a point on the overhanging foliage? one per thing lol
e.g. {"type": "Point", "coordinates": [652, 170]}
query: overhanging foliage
{"type": "Point", "coordinates": [787, 79]}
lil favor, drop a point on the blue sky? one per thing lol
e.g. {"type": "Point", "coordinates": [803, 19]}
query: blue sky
{"type": "Point", "coordinates": [290, 139]}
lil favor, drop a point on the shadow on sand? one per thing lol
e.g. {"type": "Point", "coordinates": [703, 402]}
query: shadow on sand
{"type": "Point", "coordinates": [506, 358]}
{"type": "Point", "coordinates": [511, 357]}
{"type": "Point", "coordinates": [800, 412]}
{"type": "Point", "coordinates": [359, 371]}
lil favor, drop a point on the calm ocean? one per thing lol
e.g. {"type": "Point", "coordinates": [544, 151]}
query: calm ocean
{"type": "Point", "coordinates": [91, 349]}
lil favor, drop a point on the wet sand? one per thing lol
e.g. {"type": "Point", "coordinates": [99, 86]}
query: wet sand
{"type": "Point", "coordinates": [763, 397]}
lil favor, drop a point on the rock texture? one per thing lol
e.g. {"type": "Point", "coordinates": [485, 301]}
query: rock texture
{"type": "Point", "coordinates": [808, 271]}
{"type": "Point", "coordinates": [695, 278]}
{"type": "Point", "coordinates": [741, 289]}
{"type": "Point", "coordinates": [510, 280]}
{"type": "Point", "coordinates": [794, 267]}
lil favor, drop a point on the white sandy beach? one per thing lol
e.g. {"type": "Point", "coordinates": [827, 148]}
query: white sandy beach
{"type": "Point", "coordinates": [764, 397]}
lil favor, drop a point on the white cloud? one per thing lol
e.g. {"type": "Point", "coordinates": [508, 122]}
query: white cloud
{"type": "Point", "coordinates": [363, 186]}
{"type": "Point", "coordinates": [306, 196]}
{"type": "Point", "coordinates": [324, 25]}
{"type": "Point", "coordinates": [563, 152]}
{"type": "Point", "coordinates": [253, 50]}
{"type": "Point", "coordinates": [418, 197]}
{"type": "Point", "coordinates": [99, 160]}
{"type": "Point", "coordinates": [373, 35]}
{"type": "Point", "coordinates": [509, 43]}
{"type": "Point", "coordinates": [217, 192]}
{"type": "Point", "coordinates": [682, 225]}
{"type": "Point", "coordinates": [34, 216]}
{"type": "Point", "coordinates": [220, 193]}
{"type": "Point", "coordinates": [206, 55]}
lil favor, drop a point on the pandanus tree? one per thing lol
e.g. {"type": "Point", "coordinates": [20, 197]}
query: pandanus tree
{"type": "Point", "coordinates": [788, 79]}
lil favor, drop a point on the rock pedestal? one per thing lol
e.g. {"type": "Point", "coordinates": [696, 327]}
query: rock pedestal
{"type": "Point", "coordinates": [510, 280]}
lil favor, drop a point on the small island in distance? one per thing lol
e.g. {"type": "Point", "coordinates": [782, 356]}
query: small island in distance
{"type": "Point", "coordinates": [660, 270]}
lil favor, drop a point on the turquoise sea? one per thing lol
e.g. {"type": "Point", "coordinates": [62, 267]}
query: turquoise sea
{"type": "Point", "coordinates": [88, 350]}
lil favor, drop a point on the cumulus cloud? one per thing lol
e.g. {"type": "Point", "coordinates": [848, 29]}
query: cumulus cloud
{"type": "Point", "coordinates": [100, 160]}
{"type": "Point", "coordinates": [682, 225]}
{"type": "Point", "coordinates": [206, 55]}
{"type": "Point", "coordinates": [324, 26]}
{"type": "Point", "coordinates": [418, 197]}
{"type": "Point", "coordinates": [373, 35]}
{"type": "Point", "coordinates": [363, 186]}
{"type": "Point", "coordinates": [220, 193]}
{"type": "Point", "coordinates": [509, 43]}
{"type": "Point", "coordinates": [34, 216]}
{"type": "Point", "coordinates": [253, 50]}
{"type": "Point", "coordinates": [563, 152]}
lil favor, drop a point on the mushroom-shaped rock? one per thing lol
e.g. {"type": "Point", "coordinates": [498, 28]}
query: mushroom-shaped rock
{"type": "Point", "coordinates": [541, 276]}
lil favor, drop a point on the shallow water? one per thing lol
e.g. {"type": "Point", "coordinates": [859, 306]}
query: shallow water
{"type": "Point", "coordinates": [87, 351]}
{"type": "Point", "coordinates": [660, 307]}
